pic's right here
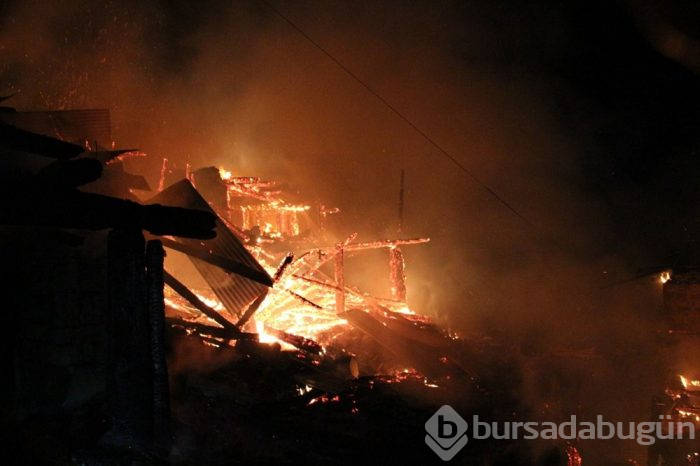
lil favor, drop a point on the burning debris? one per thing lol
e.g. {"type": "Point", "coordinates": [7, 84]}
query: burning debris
{"type": "Point", "coordinates": [277, 323]}
{"type": "Point", "coordinates": [269, 278]}
{"type": "Point", "coordinates": [265, 324]}
{"type": "Point", "coordinates": [680, 400]}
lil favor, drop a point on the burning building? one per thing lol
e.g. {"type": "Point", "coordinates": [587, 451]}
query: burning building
{"type": "Point", "coordinates": [247, 293]}
{"type": "Point", "coordinates": [234, 297]}
{"type": "Point", "coordinates": [270, 316]}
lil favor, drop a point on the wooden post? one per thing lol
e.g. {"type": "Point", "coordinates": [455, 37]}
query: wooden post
{"type": "Point", "coordinates": [163, 171]}
{"type": "Point", "coordinates": [155, 256]}
{"type": "Point", "coordinates": [401, 191]}
{"type": "Point", "coordinates": [339, 279]}
{"type": "Point", "coordinates": [398, 274]}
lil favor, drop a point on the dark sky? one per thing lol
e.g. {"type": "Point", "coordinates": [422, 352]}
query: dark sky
{"type": "Point", "coordinates": [636, 115]}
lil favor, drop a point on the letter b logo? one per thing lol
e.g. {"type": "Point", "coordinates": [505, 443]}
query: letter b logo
{"type": "Point", "coordinates": [443, 425]}
{"type": "Point", "coordinates": [447, 433]}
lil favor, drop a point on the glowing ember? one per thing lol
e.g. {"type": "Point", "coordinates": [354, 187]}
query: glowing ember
{"type": "Point", "coordinates": [688, 383]}
{"type": "Point", "coordinates": [573, 456]}
{"type": "Point", "coordinates": [664, 277]}
{"type": "Point", "coordinates": [685, 413]}
{"type": "Point", "coordinates": [225, 174]}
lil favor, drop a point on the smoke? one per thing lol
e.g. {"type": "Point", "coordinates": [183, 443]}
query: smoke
{"type": "Point", "coordinates": [230, 83]}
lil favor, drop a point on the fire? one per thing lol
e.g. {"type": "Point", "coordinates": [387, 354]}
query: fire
{"type": "Point", "coordinates": [284, 310]}
{"type": "Point", "coordinates": [180, 305]}
{"type": "Point", "coordinates": [307, 305]}
{"type": "Point", "coordinates": [689, 383]}
{"type": "Point", "coordinates": [664, 277]}
{"type": "Point", "coordinates": [303, 300]}
{"type": "Point", "coordinates": [297, 304]}
{"type": "Point", "coordinates": [689, 414]}
{"type": "Point", "coordinates": [225, 174]}
{"type": "Point", "coordinates": [264, 337]}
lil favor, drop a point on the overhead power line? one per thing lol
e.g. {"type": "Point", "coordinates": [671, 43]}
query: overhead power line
{"type": "Point", "coordinates": [399, 114]}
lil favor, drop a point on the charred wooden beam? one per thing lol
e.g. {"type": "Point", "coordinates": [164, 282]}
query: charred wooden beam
{"type": "Point", "coordinates": [304, 300]}
{"type": "Point", "coordinates": [155, 256]}
{"type": "Point", "coordinates": [348, 246]}
{"type": "Point", "coordinates": [388, 243]}
{"type": "Point", "coordinates": [339, 279]}
{"type": "Point", "coordinates": [251, 310]}
{"type": "Point", "coordinates": [401, 199]}
{"type": "Point", "coordinates": [215, 332]}
{"type": "Point", "coordinates": [163, 170]}
{"type": "Point", "coordinates": [330, 286]}
{"type": "Point", "coordinates": [181, 289]}
{"type": "Point", "coordinates": [283, 267]}
{"type": "Point", "coordinates": [110, 156]}
{"type": "Point", "coordinates": [25, 141]}
{"type": "Point", "coordinates": [417, 331]}
{"type": "Point", "coordinates": [397, 274]}
{"type": "Point", "coordinates": [297, 341]}
{"type": "Point", "coordinates": [79, 210]}
{"type": "Point", "coordinates": [429, 360]}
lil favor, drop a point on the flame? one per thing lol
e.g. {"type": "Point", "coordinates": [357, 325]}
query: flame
{"type": "Point", "coordinates": [313, 317]}
{"type": "Point", "coordinates": [294, 305]}
{"type": "Point", "coordinates": [264, 336]}
{"type": "Point", "coordinates": [302, 301]}
{"type": "Point", "coordinates": [303, 390]}
{"type": "Point", "coordinates": [573, 456]}
{"type": "Point", "coordinates": [689, 414]}
{"type": "Point", "coordinates": [225, 174]}
{"type": "Point", "coordinates": [404, 309]}
{"type": "Point", "coordinates": [664, 277]}
{"type": "Point", "coordinates": [180, 305]}
{"type": "Point", "coordinates": [689, 383]}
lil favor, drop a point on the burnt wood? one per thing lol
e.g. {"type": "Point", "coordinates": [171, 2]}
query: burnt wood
{"type": "Point", "coordinates": [79, 210]}
{"type": "Point", "coordinates": [155, 256]}
{"type": "Point", "coordinates": [25, 141]}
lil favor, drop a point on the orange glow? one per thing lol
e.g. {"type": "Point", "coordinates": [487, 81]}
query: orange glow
{"type": "Point", "coordinates": [689, 383]}
{"type": "Point", "coordinates": [303, 301]}
{"type": "Point", "coordinates": [225, 174]}
{"type": "Point", "coordinates": [689, 415]}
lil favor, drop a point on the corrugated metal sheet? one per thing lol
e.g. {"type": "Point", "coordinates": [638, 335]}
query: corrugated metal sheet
{"type": "Point", "coordinates": [234, 291]}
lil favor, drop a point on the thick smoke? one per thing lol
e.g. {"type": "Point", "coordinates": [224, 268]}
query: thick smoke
{"type": "Point", "coordinates": [230, 83]}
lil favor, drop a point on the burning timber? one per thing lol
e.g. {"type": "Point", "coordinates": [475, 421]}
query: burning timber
{"type": "Point", "coordinates": [302, 306]}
